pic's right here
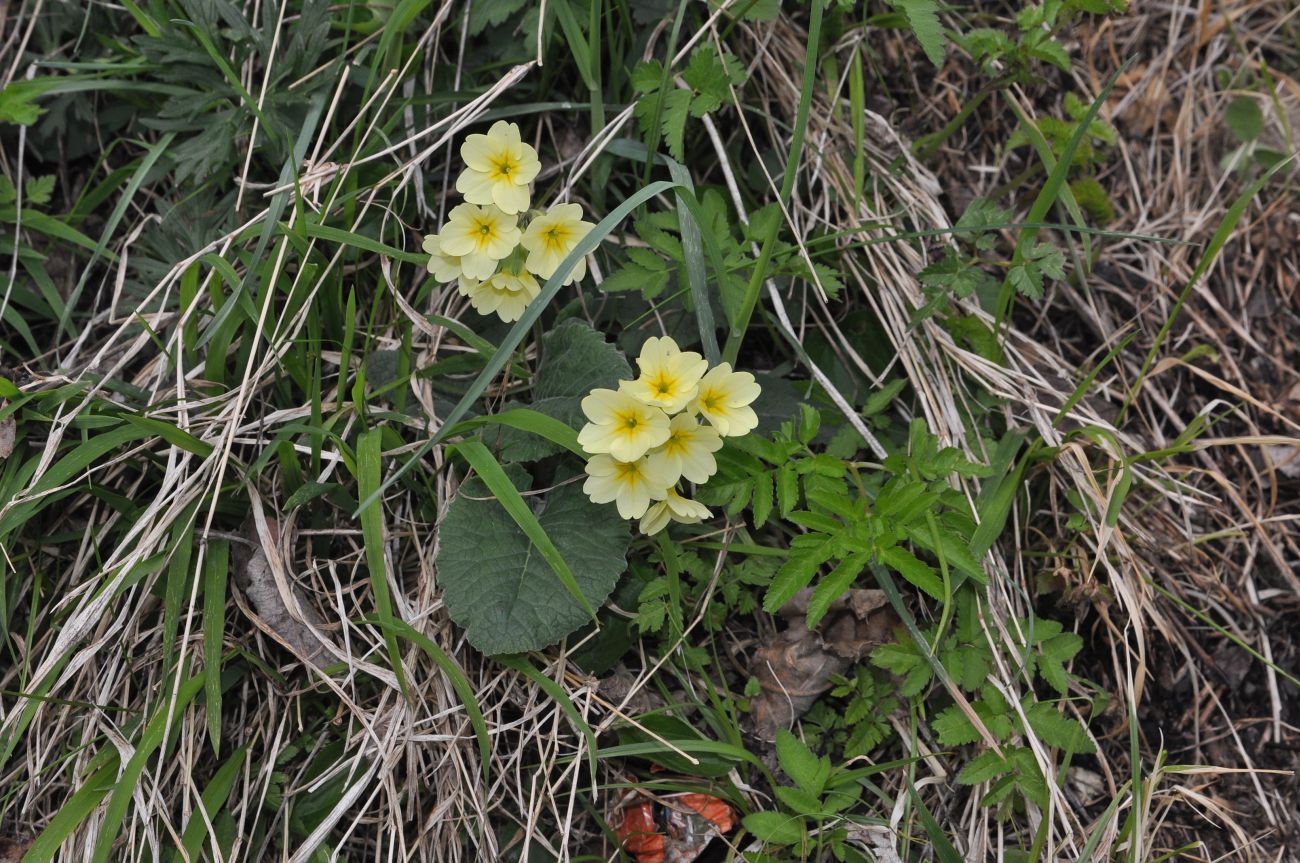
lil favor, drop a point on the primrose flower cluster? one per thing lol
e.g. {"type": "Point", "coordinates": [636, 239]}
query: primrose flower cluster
{"type": "Point", "coordinates": [494, 259]}
{"type": "Point", "coordinates": [647, 435]}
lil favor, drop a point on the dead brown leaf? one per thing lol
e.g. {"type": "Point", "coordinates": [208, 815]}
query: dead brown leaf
{"type": "Point", "coordinates": [795, 667]}
{"type": "Point", "coordinates": [8, 433]}
{"type": "Point", "coordinates": [253, 572]}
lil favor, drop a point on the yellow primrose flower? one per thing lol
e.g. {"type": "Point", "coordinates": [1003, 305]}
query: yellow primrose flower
{"type": "Point", "coordinates": [673, 507]}
{"type": "Point", "coordinates": [630, 484]}
{"type": "Point", "coordinates": [479, 237]}
{"type": "Point", "coordinates": [551, 236]}
{"type": "Point", "coordinates": [669, 376]}
{"type": "Point", "coordinates": [506, 293]}
{"type": "Point", "coordinates": [621, 426]}
{"type": "Point", "coordinates": [442, 266]}
{"type": "Point", "coordinates": [689, 450]}
{"type": "Point", "coordinates": [499, 167]}
{"type": "Point", "coordinates": [723, 399]}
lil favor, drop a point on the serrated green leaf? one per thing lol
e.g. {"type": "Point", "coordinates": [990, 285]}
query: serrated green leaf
{"type": "Point", "coordinates": [1027, 281]}
{"type": "Point", "coordinates": [1094, 200]}
{"type": "Point", "coordinates": [920, 574]}
{"type": "Point", "coordinates": [1052, 52]}
{"type": "Point", "coordinates": [834, 585]}
{"type": "Point", "coordinates": [830, 280]}
{"type": "Point", "coordinates": [18, 103]}
{"type": "Point", "coordinates": [775, 827]}
{"type": "Point", "coordinates": [38, 190]}
{"type": "Point", "coordinates": [954, 728]}
{"type": "Point", "coordinates": [983, 767]}
{"type": "Point", "coordinates": [955, 552]}
{"type": "Point", "coordinates": [787, 489]}
{"type": "Point", "coordinates": [923, 17]}
{"type": "Point", "coordinates": [500, 588]}
{"type": "Point", "coordinates": [1056, 729]}
{"type": "Point", "coordinates": [1058, 650]}
{"type": "Point", "coordinates": [676, 108]}
{"type": "Point", "coordinates": [633, 277]}
{"type": "Point", "coordinates": [807, 770]}
{"type": "Point", "coordinates": [799, 801]}
{"type": "Point", "coordinates": [646, 76]}
{"type": "Point", "coordinates": [904, 661]}
{"type": "Point", "coordinates": [798, 570]}
{"type": "Point", "coordinates": [646, 258]}
{"type": "Point", "coordinates": [1049, 259]}
{"type": "Point", "coordinates": [956, 275]}
{"type": "Point", "coordinates": [761, 502]}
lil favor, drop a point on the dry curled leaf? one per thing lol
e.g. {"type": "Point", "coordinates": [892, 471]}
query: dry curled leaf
{"type": "Point", "coordinates": [253, 572]}
{"type": "Point", "coordinates": [795, 667]}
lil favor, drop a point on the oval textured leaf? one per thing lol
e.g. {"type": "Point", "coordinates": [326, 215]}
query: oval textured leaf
{"type": "Point", "coordinates": [500, 589]}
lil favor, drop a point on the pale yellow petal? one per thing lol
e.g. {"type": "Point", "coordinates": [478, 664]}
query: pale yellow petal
{"type": "Point", "coordinates": [509, 197]}
{"type": "Point", "coordinates": [476, 186]}
{"type": "Point", "coordinates": [600, 405]}
{"type": "Point", "coordinates": [633, 500]}
{"type": "Point", "coordinates": [655, 519]}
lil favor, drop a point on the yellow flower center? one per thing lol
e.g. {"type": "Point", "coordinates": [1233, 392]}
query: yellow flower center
{"type": "Point", "coordinates": [710, 401]}
{"type": "Point", "coordinates": [628, 472]}
{"type": "Point", "coordinates": [663, 384]}
{"type": "Point", "coordinates": [505, 167]}
{"type": "Point", "coordinates": [556, 237]}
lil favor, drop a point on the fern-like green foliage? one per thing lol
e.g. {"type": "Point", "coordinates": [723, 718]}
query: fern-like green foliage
{"type": "Point", "coordinates": [708, 78]}
{"type": "Point", "coordinates": [910, 515]}
{"type": "Point", "coordinates": [923, 18]}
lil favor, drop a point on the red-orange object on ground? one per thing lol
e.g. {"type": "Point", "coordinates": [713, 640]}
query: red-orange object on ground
{"type": "Point", "coordinates": [674, 828]}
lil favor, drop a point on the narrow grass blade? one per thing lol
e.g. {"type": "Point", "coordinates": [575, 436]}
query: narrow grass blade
{"type": "Point", "coordinates": [531, 421]}
{"type": "Point", "coordinates": [214, 796]}
{"type": "Point", "coordinates": [943, 847]}
{"type": "Point", "coordinates": [459, 682]}
{"type": "Point", "coordinates": [358, 241]}
{"type": "Point", "coordinates": [216, 571]}
{"type": "Point", "coordinates": [494, 477]}
{"type": "Point", "coordinates": [176, 586]}
{"type": "Point", "coordinates": [577, 44]}
{"type": "Point", "coordinates": [1055, 186]}
{"type": "Point", "coordinates": [149, 741]}
{"type": "Point", "coordinates": [369, 448]}
{"type": "Point", "coordinates": [1226, 227]}
{"type": "Point", "coordinates": [695, 241]}
{"type": "Point", "coordinates": [553, 689]}
{"type": "Point", "coordinates": [110, 226]}
{"type": "Point", "coordinates": [170, 433]}
{"type": "Point", "coordinates": [78, 807]}
{"type": "Point", "coordinates": [750, 300]}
